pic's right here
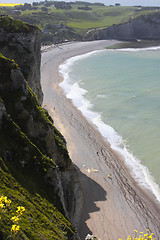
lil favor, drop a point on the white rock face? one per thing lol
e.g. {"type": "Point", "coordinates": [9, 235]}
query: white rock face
{"type": "Point", "coordinates": [145, 27]}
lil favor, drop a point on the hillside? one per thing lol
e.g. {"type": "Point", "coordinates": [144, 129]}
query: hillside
{"type": "Point", "coordinates": [35, 169]}
{"type": "Point", "coordinates": [70, 21]}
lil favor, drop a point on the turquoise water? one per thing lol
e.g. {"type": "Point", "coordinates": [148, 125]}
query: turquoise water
{"type": "Point", "coordinates": [119, 91]}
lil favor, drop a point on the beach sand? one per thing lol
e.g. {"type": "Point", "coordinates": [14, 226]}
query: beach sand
{"type": "Point", "coordinates": [114, 205]}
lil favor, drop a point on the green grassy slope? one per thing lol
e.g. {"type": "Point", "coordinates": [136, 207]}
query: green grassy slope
{"type": "Point", "coordinates": [23, 166]}
{"type": "Point", "coordinates": [41, 220]}
{"type": "Point", "coordinates": [103, 16]}
{"type": "Point", "coordinates": [79, 21]}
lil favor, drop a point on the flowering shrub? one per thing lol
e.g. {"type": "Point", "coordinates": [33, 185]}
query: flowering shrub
{"type": "Point", "coordinates": [4, 208]}
{"type": "Point", "coordinates": [142, 236]}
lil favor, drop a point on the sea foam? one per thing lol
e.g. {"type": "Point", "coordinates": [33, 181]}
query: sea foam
{"type": "Point", "coordinates": [139, 49]}
{"type": "Point", "coordinates": [77, 94]}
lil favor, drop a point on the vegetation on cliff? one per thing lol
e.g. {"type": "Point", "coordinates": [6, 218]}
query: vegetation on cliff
{"type": "Point", "coordinates": [41, 219]}
{"type": "Point", "coordinates": [25, 161]}
{"type": "Point", "coordinates": [22, 42]}
{"type": "Point", "coordinates": [14, 26]}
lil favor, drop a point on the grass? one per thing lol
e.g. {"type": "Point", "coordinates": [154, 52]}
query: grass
{"type": "Point", "coordinates": [103, 17]}
{"type": "Point", "coordinates": [80, 20]}
{"type": "Point", "coordinates": [99, 16]}
{"type": "Point", "coordinates": [41, 220]}
{"type": "Point", "coordinates": [11, 25]}
{"type": "Point", "coordinates": [24, 169]}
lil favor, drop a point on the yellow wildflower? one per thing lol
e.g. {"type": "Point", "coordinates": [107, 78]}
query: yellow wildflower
{"type": "Point", "coordinates": [145, 235]}
{"type": "Point", "coordinates": [15, 219]}
{"type": "Point", "coordinates": [1, 199]}
{"type": "Point", "coordinates": [141, 236]}
{"type": "Point", "coordinates": [15, 229]}
{"type": "Point", "coordinates": [20, 210]}
{"type": "Point", "coordinates": [4, 200]}
{"type": "Point", "coordinates": [8, 203]}
{"type": "Point", "coordinates": [1, 205]}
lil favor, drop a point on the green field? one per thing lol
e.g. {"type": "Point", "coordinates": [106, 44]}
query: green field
{"type": "Point", "coordinates": [99, 16]}
{"type": "Point", "coordinates": [77, 21]}
{"type": "Point", "coordinates": [102, 17]}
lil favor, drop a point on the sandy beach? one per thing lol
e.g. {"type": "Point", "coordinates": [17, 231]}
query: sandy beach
{"type": "Point", "coordinates": [114, 205]}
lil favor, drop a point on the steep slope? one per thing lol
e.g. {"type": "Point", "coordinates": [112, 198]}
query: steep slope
{"type": "Point", "coordinates": [22, 42]}
{"type": "Point", "coordinates": [34, 162]}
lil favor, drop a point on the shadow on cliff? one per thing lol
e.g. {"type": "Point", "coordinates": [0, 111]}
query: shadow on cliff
{"type": "Point", "coordinates": [93, 193]}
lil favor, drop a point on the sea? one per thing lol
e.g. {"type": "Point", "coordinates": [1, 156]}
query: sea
{"type": "Point", "coordinates": [119, 92]}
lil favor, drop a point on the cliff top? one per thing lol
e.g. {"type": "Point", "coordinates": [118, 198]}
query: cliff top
{"type": "Point", "coordinates": [12, 26]}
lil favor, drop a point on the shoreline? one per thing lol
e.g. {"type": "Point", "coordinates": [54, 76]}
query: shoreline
{"type": "Point", "coordinates": [114, 205]}
{"type": "Point", "coordinates": [138, 170]}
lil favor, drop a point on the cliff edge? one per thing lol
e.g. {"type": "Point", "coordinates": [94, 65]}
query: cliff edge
{"type": "Point", "coordinates": [22, 42]}
{"type": "Point", "coordinates": [146, 27]}
{"type": "Point", "coordinates": [35, 167]}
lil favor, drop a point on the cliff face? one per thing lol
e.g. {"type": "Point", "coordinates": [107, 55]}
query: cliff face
{"type": "Point", "coordinates": [144, 27]}
{"type": "Point", "coordinates": [32, 150]}
{"type": "Point", "coordinates": [23, 45]}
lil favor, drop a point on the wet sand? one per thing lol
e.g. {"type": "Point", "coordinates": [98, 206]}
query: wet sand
{"type": "Point", "coordinates": [114, 205]}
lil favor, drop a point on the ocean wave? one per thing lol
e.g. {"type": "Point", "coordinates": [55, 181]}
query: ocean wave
{"type": "Point", "coordinates": [77, 94]}
{"type": "Point", "coordinates": [65, 67]}
{"type": "Point", "coordinates": [138, 49]}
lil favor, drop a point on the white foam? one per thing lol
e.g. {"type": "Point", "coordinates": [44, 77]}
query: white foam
{"type": "Point", "coordinates": [77, 94]}
{"type": "Point", "coordinates": [138, 49]}
{"type": "Point", "coordinates": [65, 67]}
{"type": "Point", "coordinates": [138, 171]}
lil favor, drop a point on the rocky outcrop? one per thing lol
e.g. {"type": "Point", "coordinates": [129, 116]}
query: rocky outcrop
{"type": "Point", "coordinates": [145, 27]}
{"type": "Point", "coordinates": [23, 45]}
{"type": "Point", "coordinates": [29, 141]}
